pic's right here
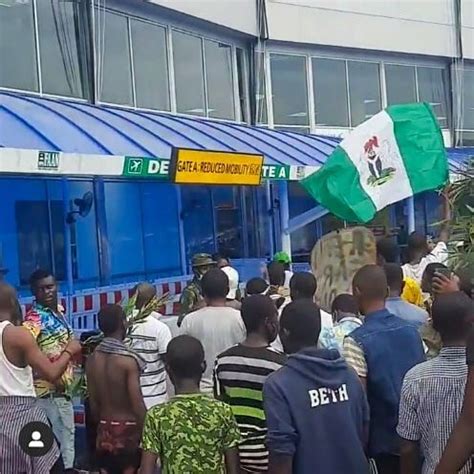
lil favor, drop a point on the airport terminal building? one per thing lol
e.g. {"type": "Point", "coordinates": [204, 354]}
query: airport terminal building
{"type": "Point", "coordinates": [108, 81]}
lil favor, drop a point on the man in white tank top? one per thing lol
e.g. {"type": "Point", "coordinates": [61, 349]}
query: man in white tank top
{"type": "Point", "coordinates": [19, 356]}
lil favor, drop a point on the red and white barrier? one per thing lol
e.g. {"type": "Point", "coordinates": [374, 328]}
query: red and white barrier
{"type": "Point", "coordinates": [86, 303]}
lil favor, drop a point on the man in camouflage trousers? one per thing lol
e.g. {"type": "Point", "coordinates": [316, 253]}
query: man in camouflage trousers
{"type": "Point", "coordinates": [191, 298]}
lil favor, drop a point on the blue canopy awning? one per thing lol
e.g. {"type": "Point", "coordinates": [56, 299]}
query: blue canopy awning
{"type": "Point", "coordinates": [77, 127]}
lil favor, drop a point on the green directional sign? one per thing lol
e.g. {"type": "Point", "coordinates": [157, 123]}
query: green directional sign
{"type": "Point", "coordinates": [157, 168]}
{"type": "Point", "coordinates": [136, 167]}
{"type": "Point", "coordinates": [276, 172]}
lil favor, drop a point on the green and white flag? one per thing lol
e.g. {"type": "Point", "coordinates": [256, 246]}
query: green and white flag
{"type": "Point", "coordinates": [395, 154]}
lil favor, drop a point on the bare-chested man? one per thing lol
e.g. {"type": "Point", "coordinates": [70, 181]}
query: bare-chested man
{"type": "Point", "coordinates": [113, 377]}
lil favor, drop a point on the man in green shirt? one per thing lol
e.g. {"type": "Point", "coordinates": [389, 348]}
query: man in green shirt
{"type": "Point", "coordinates": [192, 433]}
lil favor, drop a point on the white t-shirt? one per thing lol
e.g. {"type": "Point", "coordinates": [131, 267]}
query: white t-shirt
{"type": "Point", "coordinates": [326, 323]}
{"type": "Point", "coordinates": [150, 340]}
{"type": "Point", "coordinates": [415, 271]}
{"type": "Point", "coordinates": [218, 328]}
{"type": "Point", "coordinates": [288, 275]}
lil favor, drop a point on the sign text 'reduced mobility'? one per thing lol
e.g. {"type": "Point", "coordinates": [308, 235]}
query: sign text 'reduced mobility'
{"type": "Point", "coordinates": [215, 167]}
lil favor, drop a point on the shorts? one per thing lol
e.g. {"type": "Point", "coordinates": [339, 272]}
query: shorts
{"type": "Point", "coordinates": [118, 446]}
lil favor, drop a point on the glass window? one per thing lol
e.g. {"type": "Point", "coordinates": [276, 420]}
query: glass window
{"type": "Point", "coordinates": [17, 46]}
{"type": "Point", "coordinates": [143, 243]}
{"type": "Point", "coordinates": [160, 230]}
{"type": "Point", "coordinates": [124, 230]}
{"type": "Point", "coordinates": [260, 89]}
{"type": "Point", "coordinates": [34, 242]}
{"type": "Point", "coordinates": [84, 239]}
{"type": "Point", "coordinates": [242, 83]}
{"type": "Point", "coordinates": [60, 48]}
{"type": "Point", "coordinates": [420, 213]}
{"type": "Point", "coordinates": [468, 102]}
{"type": "Point", "coordinates": [400, 83]}
{"type": "Point", "coordinates": [150, 65]}
{"type": "Point", "coordinates": [31, 229]}
{"type": "Point", "coordinates": [84, 242]}
{"type": "Point", "coordinates": [364, 90]}
{"type": "Point", "coordinates": [304, 238]}
{"type": "Point", "coordinates": [330, 92]}
{"type": "Point", "coordinates": [289, 89]}
{"type": "Point", "coordinates": [113, 53]}
{"type": "Point", "coordinates": [465, 138]}
{"type": "Point", "coordinates": [434, 209]}
{"type": "Point", "coordinates": [188, 73]}
{"type": "Point", "coordinates": [304, 130]}
{"type": "Point", "coordinates": [330, 222]}
{"type": "Point", "coordinates": [257, 222]}
{"type": "Point", "coordinates": [431, 89]}
{"type": "Point", "coordinates": [198, 220]}
{"type": "Point", "coordinates": [228, 218]}
{"type": "Point", "coordinates": [220, 91]}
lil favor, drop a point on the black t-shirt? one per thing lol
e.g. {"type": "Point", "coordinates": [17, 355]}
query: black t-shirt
{"type": "Point", "coordinates": [470, 348]}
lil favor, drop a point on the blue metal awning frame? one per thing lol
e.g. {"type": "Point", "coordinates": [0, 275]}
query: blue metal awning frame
{"type": "Point", "coordinates": [78, 127]}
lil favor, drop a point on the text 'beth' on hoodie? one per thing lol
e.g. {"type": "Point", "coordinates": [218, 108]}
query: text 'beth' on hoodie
{"type": "Point", "coordinates": [317, 412]}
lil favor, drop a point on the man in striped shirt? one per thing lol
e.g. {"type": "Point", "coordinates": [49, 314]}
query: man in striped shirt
{"type": "Point", "coordinates": [149, 339]}
{"type": "Point", "coordinates": [432, 392]}
{"type": "Point", "coordinates": [240, 373]}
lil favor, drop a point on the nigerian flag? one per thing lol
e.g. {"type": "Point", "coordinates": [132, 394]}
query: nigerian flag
{"type": "Point", "coordinates": [395, 154]}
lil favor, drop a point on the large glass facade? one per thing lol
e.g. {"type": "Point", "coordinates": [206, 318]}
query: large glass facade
{"type": "Point", "coordinates": [143, 237]}
{"type": "Point", "coordinates": [45, 47]}
{"type": "Point", "coordinates": [141, 63]}
{"type": "Point", "coordinates": [32, 231]}
{"type": "Point", "coordinates": [139, 239]}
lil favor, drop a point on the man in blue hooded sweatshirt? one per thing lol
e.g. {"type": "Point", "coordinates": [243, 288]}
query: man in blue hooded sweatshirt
{"type": "Point", "coordinates": [316, 408]}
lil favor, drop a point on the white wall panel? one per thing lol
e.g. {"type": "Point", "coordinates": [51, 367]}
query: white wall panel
{"type": "Point", "coordinates": [467, 13]}
{"type": "Point", "coordinates": [239, 15]}
{"type": "Point", "coordinates": [406, 26]}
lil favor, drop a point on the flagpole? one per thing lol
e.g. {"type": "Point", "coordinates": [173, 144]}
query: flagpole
{"type": "Point", "coordinates": [411, 214]}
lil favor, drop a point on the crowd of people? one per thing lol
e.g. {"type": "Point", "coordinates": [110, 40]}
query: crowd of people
{"type": "Point", "coordinates": [260, 382]}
